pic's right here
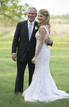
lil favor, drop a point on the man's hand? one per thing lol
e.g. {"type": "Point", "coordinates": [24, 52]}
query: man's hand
{"type": "Point", "coordinates": [49, 41]}
{"type": "Point", "coordinates": [14, 56]}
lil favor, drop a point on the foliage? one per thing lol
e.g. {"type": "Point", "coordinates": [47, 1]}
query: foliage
{"type": "Point", "coordinates": [12, 9]}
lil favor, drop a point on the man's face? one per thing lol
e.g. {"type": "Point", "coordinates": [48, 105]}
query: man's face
{"type": "Point", "coordinates": [31, 15]}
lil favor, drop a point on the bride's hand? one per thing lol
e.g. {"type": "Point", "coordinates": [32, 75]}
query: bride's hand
{"type": "Point", "coordinates": [33, 59]}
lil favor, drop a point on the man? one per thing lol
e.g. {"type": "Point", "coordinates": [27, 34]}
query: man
{"type": "Point", "coordinates": [23, 48]}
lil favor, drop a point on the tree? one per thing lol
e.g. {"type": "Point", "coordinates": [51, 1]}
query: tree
{"type": "Point", "coordinates": [12, 9]}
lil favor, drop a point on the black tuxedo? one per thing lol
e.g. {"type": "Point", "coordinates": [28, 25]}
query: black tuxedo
{"type": "Point", "coordinates": [25, 50]}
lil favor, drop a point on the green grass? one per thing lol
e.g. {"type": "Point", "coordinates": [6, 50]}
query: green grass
{"type": "Point", "coordinates": [59, 66]}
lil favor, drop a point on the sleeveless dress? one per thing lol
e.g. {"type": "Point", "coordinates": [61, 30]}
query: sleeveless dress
{"type": "Point", "coordinates": [43, 87]}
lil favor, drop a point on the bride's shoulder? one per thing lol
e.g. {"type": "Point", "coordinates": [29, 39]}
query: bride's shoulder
{"type": "Point", "coordinates": [46, 28]}
{"type": "Point", "coordinates": [42, 28]}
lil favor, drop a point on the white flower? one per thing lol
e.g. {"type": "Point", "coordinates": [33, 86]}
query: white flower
{"type": "Point", "coordinates": [36, 27]}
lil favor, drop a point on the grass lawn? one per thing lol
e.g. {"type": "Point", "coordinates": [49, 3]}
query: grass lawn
{"type": "Point", "coordinates": [59, 66]}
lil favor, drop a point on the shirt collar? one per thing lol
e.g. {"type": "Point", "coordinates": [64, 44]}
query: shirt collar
{"type": "Point", "coordinates": [31, 22]}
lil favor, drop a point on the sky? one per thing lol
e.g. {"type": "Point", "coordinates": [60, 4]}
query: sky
{"type": "Point", "coordinates": [55, 7]}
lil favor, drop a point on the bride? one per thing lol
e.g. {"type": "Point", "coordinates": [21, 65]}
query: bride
{"type": "Point", "coordinates": [43, 87]}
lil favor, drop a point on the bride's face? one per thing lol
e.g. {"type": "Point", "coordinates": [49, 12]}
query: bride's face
{"type": "Point", "coordinates": [41, 18]}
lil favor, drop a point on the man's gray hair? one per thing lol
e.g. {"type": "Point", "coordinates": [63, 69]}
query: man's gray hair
{"type": "Point", "coordinates": [33, 8]}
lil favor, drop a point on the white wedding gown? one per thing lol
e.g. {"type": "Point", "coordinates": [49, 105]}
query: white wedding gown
{"type": "Point", "coordinates": [43, 87]}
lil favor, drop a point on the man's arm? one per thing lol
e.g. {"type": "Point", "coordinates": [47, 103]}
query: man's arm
{"type": "Point", "coordinates": [16, 38]}
{"type": "Point", "coordinates": [15, 43]}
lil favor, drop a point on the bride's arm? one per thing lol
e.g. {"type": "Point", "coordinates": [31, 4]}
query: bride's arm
{"type": "Point", "coordinates": [42, 32]}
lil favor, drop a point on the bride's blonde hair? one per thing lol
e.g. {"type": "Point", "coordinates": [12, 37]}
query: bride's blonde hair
{"type": "Point", "coordinates": [45, 13]}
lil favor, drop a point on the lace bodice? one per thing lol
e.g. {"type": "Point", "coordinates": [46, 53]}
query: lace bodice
{"type": "Point", "coordinates": [46, 35]}
{"type": "Point", "coordinates": [38, 37]}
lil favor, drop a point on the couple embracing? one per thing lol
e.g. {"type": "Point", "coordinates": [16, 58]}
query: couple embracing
{"type": "Point", "coordinates": [30, 46]}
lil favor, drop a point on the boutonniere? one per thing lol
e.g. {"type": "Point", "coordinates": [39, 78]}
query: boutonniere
{"type": "Point", "coordinates": [36, 28]}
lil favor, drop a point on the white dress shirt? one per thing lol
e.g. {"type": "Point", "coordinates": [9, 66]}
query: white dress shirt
{"type": "Point", "coordinates": [30, 28]}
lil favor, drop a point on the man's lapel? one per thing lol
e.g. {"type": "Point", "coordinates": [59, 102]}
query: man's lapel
{"type": "Point", "coordinates": [26, 29]}
{"type": "Point", "coordinates": [35, 29]}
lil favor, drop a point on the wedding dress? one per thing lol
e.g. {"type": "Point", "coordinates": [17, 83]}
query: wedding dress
{"type": "Point", "coordinates": [43, 87]}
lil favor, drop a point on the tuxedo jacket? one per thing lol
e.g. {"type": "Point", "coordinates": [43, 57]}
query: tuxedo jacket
{"type": "Point", "coordinates": [21, 43]}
